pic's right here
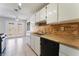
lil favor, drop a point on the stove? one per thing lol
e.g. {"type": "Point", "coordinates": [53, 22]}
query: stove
{"type": "Point", "coordinates": [3, 38]}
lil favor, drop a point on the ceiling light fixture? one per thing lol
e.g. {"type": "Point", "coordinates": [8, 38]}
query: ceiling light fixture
{"type": "Point", "coordinates": [17, 19]}
{"type": "Point", "coordinates": [20, 4]}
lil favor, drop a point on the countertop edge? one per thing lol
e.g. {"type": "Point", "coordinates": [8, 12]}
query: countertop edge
{"type": "Point", "coordinates": [75, 47]}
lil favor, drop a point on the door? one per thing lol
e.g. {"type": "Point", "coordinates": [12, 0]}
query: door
{"type": "Point", "coordinates": [11, 29]}
{"type": "Point", "coordinates": [15, 29]}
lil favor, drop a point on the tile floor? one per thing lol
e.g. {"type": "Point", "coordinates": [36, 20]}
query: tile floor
{"type": "Point", "coordinates": [18, 47]}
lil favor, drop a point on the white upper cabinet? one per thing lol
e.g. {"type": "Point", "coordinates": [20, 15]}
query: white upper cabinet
{"type": "Point", "coordinates": [52, 13]}
{"type": "Point", "coordinates": [68, 11]}
{"type": "Point", "coordinates": [43, 14]}
{"type": "Point", "coordinates": [37, 16]}
{"type": "Point", "coordinates": [32, 23]}
{"type": "Point", "coordinates": [32, 19]}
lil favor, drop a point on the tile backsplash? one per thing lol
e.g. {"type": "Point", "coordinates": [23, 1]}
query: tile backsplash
{"type": "Point", "coordinates": [67, 28]}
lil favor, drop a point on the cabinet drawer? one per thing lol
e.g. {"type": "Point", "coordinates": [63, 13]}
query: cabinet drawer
{"type": "Point", "coordinates": [69, 50]}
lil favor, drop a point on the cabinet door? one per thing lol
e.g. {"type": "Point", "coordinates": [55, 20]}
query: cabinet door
{"type": "Point", "coordinates": [32, 23]}
{"type": "Point", "coordinates": [68, 12]}
{"type": "Point", "coordinates": [28, 39]}
{"type": "Point", "coordinates": [37, 45]}
{"type": "Point", "coordinates": [37, 16]}
{"type": "Point", "coordinates": [69, 51]}
{"type": "Point", "coordinates": [51, 13]}
{"type": "Point", "coordinates": [32, 19]}
{"type": "Point", "coordinates": [32, 42]}
{"type": "Point", "coordinates": [43, 14]}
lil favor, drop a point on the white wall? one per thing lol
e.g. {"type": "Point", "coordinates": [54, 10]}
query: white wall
{"type": "Point", "coordinates": [4, 24]}
{"type": "Point", "coordinates": [1, 26]}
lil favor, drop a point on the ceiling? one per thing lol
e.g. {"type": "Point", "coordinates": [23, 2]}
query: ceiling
{"type": "Point", "coordinates": [27, 9]}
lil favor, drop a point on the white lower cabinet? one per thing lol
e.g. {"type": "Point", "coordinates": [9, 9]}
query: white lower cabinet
{"type": "Point", "coordinates": [28, 39]}
{"type": "Point", "coordinates": [32, 42]}
{"type": "Point", "coordinates": [68, 51]}
{"type": "Point", "coordinates": [35, 44]}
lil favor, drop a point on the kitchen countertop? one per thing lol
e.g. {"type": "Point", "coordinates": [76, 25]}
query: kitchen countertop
{"type": "Point", "coordinates": [62, 39]}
